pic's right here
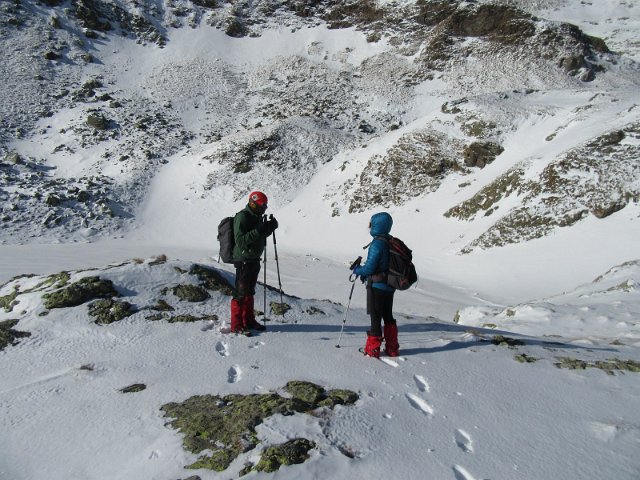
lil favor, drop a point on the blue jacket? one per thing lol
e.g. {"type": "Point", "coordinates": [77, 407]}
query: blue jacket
{"type": "Point", "coordinates": [378, 253]}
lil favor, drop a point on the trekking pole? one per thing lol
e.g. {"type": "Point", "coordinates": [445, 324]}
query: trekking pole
{"type": "Point", "coordinates": [352, 279]}
{"type": "Point", "coordinates": [275, 249]}
{"type": "Point", "coordinates": [264, 314]}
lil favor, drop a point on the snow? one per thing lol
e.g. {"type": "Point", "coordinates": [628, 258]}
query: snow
{"type": "Point", "coordinates": [452, 406]}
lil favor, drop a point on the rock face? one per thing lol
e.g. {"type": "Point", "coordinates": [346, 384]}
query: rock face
{"type": "Point", "coordinates": [283, 119]}
{"type": "Point", "coordinates": [416, 164]}
{"type": "Point", "coordinates": [480, 154]}
{"type": "Point", "coordinates": [597, 178]}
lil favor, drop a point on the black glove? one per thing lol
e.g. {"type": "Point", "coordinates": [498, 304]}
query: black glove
{"type": "Point", "coordinates": [267, 228]}
{"type": "Point", "coordinates": [356, 263]}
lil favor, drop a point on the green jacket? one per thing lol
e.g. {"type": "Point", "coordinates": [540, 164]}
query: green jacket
{"type": "Point", "coordinates": [249, 244]}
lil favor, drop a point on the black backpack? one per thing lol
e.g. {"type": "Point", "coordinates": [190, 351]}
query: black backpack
{"type": "Point", "coordinates": [402, 273]}
{"type": "Point", "coordinates": [226, 239]}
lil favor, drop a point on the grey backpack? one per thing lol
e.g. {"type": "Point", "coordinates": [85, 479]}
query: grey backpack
{"type": "Point", "coordinates": [226, 239]}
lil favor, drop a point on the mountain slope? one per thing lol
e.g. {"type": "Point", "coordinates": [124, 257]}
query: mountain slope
{"type": "Point", "coordinates": [439, 89]}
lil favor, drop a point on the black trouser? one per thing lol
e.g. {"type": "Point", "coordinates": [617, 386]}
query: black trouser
{"type": "Point", "coordinates": [246, 279]}
{"type": "Point", "coordinates": [379, 307]}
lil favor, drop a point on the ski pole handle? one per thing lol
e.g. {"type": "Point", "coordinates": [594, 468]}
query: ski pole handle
{"type": "Point", "coordinates": [356, 263]}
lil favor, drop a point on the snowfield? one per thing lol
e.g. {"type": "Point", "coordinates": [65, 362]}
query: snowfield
{"type": "Point", "coordinates": [454, 404]}
{"type": "Point", "coordinates": [517, 362]}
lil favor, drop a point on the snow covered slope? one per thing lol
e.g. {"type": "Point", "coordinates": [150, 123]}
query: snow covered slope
{"type": "Point", "coordinates": [84, 400]}
{"type": "Point", "coordinates": [503, 138]}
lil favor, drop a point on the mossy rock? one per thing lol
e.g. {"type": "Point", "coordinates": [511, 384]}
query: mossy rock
{"type": "Point", "coordinates": [508, 183]}
{"type": "Point", "coordinates": [506, 341]}
{"type": "Point", "coordinates": [279, 308]}
{"type": "Point", "coordinates": [9, 301]}
{"type": "Point", "coordinates": [416, 164]}
{"type": "Point", "coordinates": [82, 291]}
{"type": "Point", "coordinates": [293, 452]}
{"type": "Point", "coordinates": [212, 279]}
{"type": "Point", "coordinates": [53, 200]}
{"type": "Point", "coordinates": [14, 158]}
{"type": "Point", "coordinates": [524, 358]}
{"type": "Point", "coordinates": [496, 22]}
{"type": "Point", "coordinates": [109, 311]}
{"type": "Point", "coordinates": [225, 426]}
{"type": "Point", "coordinates": [135, 388]}
{"type": "Point", "coordinates": [315, 311]}
{"type": "Point", "coordinates": [610, 366]}
{"type": "Point", "coordinates": [480, 154]}
{"type": "Point", "coordinates": [162, 306]}
{"type": "Point", "coordinates": [97, 121]}
{"type": "Point", "coordinates": [190, 293]}
{"type": "Point", "coordinates": [316, 395]}
{"type": "Point", "coordinates": [8, 336]}
{"type": "Point", "coordinates": [340, 397]}
{"type": "Point", "coordinates": [58, 280]}
{"type": "Point", "coordinates": [306, 391]}
{"type": "Point", "coordinates": [191, 318]}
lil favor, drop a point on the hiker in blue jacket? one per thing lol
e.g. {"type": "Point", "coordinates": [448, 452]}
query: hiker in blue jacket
{"type": "Point", "coordinates": [379, 294]}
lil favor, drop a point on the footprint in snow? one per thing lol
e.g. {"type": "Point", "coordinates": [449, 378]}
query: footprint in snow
{"type": "Point", "coordinates": [461, 473]}
{"type": "Point", "coordinates": [419, 404]}
{"type": "Point", "coordinates": [210, 325]}
{"type": "Point", "coordinates": [235, 373]}
{"type": "Point", "coordinates": [463, 440]}
{"type": "Point", "coordinates": [222, 349]}
{"type": "Point", "coordinates": [257, 345]}
{"type": "Point", "coordinates": [421, 383]}
{"type": "Point", "coordinates": [388, 361]}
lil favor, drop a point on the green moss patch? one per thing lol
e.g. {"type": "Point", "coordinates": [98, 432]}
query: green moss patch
{"type": "Point", "coordinates": [190, 293]}
{"type": "Point", "coordinates": [212, 279]}
{"type": "Point", "coordinates": [610, 366]}
{"type": "Point", "coordinates": [135, 388]}
{"type": "Point", "coordinates": [524, 358]}
{"type": "Point", "coordinates": [279, 308]}
{"type": "Point", "coordinates": [58, 280]}
{"type": "Point", "coordinates": [224, 426]}
{"type": "Point", "coordinates": [190, 318]}
{"type": "Point", "coordinates": [8, 336]}
{"type": "Point", "coordinates": [185, 318]}
{"type": "Point", "coordinates": [293, 452]}
{"type": "Point", "coordinates": [162, 306]}
{"type": "Point", "coordinates": [82, 291]}
{"type": "Point", "coordinates": [109, 311]}
{"type": "Point", "coordinates": [9, 301]}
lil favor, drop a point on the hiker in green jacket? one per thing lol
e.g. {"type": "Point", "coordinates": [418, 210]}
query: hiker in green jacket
{"type": "Point", "coordinates": [250, 230]}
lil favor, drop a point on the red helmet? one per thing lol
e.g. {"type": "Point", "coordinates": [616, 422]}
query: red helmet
{"type": "Point", "coordinates": [258, 198]}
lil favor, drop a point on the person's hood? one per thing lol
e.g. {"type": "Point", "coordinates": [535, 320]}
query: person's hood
{"type": "Point", "coordinates": [381, 224]}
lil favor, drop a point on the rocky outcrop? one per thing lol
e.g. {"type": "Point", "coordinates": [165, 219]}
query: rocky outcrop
{"type": "Point", "coordinates": [220, 428]}
{"type": "Point", "coordinates": [416, 164]}
{"type": "Point", "coordinates": [597, 178]}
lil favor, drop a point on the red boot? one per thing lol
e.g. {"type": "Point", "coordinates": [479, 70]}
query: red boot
{"type": "Point", "coordinates": [237, 314]}
{"type": "Point", "coordinates": [372, 347]}
{"type": "Point", "coordinates": [391, 340]}
{"type": "Point", "coordinates": [249, 316]}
